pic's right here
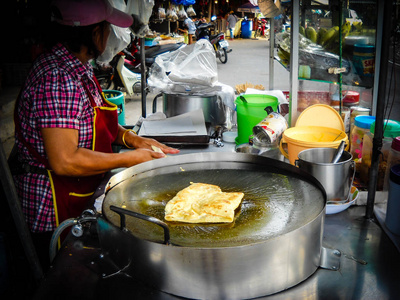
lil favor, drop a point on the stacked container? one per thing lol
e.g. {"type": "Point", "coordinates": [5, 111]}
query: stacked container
{"type": "Point", "coordinates": [391, 131]}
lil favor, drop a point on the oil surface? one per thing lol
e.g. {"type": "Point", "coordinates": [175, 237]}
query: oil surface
{"type": "Point", "coordinates": [273, 204]}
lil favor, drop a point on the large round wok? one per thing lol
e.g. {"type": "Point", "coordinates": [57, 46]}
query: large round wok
{"type": "Point", "coordinates": [273, 244]}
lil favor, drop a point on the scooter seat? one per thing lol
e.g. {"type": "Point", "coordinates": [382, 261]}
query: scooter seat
{"type": "Point", "coordinates": [159, 49]}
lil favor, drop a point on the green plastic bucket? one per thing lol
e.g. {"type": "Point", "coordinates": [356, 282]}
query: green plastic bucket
{"type": "Point", "coordinates": [250, 111]}
{"type": "Point", "coordinates": [117, 98]}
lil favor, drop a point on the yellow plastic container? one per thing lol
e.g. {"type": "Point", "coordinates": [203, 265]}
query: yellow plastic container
{"type": "Point", "coordinates": [306, 137]}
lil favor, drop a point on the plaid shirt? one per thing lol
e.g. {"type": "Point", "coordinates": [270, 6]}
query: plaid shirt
{"type": "Point", "coordinates": [52, 97]}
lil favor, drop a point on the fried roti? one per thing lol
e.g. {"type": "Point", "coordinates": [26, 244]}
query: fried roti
{"type": "Point", "coordinates": [203, 203]}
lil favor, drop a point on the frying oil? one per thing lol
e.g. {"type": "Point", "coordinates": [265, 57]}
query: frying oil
{"type": "Point", "coordinates": [273, 204]}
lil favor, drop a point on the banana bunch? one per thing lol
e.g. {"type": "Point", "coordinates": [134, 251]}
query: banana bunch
{"type": "Point", "coordinates": [329, 39]}
{"type": "Point", "coordinates": [311, 34]}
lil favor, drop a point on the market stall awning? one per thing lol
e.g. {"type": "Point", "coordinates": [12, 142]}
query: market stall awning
{"type": "Point", "coordinates": [249, 8]}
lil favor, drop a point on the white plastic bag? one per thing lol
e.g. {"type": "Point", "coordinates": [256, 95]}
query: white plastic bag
{"type": "Point", "coordinates": [161, 13]}
{"type": "Point", "coordinates": [171, 14]}
{"type": "Point", "coordinates": [191, 65]}
{"type": "Point", "coordinates": [182, 15]}
{"type": "Point", "coordinates": [190, 11]}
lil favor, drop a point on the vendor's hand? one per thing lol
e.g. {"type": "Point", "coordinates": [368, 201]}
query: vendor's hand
{"type": "Point", "coordinates": [141, 142]}
{"type": "Point", "coordinates": [141, 155]}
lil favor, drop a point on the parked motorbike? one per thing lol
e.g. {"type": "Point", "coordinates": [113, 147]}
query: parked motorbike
{"type": "Point", "coordinates": [203, 31]}
{"type": "Point", "coordinates": [262, 29]}
{"type": "Point", "coordinates": [124, 71]}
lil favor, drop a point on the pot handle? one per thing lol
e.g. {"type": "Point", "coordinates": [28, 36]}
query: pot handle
{"type": "Point", "coordinates": [284, 153]}
{"type": "Point", "coordinates": [155, 102]}
{"type": "Point", "coordinates": [122, 212]}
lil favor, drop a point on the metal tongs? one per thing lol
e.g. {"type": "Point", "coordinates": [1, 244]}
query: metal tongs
{"type": "Point", "coordinates": [338, 152]}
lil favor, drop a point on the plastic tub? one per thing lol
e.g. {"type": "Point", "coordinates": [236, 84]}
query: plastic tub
{"type": "Point", "coordinates": [117, 98]}
{"type": "Point", "coordinates": [307, 137]}
{"type": "Point", "coordinates": [251, 111]}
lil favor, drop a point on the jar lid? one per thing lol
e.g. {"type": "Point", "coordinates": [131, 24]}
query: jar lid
{"type": "Point", "coordinates": [391, 128]}
{"type": "Point", "coordinates": [364, 121]}
{"type": "Point", "coordinates": [320, 115]}
{"type": "Point", "coordinates": [396, 144]}
{"type": "Point", "coordinates": [353, 40]}
{"type": "Point", "coordinates": [350, 98]}
{"type": "Point", "coordinates": [364, 48]}
{"type": "Point", "coordinates": [395, 174]}
{"type": "Point", "coordinates": [360, 109]}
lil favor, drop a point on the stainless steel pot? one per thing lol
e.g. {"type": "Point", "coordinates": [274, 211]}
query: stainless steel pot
{"type": "Point", "coordinates": [273, 244]}
{"type": "Point", "coordinates": [336, 178]}
{"type": "Point", "coordinates": [215, 111]}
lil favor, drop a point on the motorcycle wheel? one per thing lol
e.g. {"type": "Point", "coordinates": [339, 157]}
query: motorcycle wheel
{"type": "Point", "coordinates": [223, 55]}
{"type": "Point", "coordinates": [106, 83]}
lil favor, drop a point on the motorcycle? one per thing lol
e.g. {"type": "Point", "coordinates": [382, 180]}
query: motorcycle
{"type": "Point", "coordinates": [262, 29]}
{"type": "Point", "coordinates": [124, 71]}
{"type": "Point", "coordinates": [203, 31]}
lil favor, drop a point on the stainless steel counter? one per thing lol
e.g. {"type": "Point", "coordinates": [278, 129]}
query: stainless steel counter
{"type": "Point", "coordinates": [369, 264]}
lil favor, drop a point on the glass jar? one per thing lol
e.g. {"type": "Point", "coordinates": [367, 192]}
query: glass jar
{"type": "Point", "coordinates": [357, 111]}
{"type": "Point", "coordinates": [391, 131]}
{"type": "Point", "coordinates": [362, 125]}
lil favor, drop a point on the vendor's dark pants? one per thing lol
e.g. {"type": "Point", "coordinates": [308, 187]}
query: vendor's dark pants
{"type": "Point", "coordinates": [41, 241]}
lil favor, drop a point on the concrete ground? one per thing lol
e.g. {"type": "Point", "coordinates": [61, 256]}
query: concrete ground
{"type": "Point", "coordinates": [247, 63]}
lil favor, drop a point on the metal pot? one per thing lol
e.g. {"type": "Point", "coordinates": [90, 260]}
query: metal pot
{"type": "Point", "coordinates": [273, 244]}
{"type": "Point", "coordinates": [336, 178]}
{"type": "Point", "coordinates": [215, 111]}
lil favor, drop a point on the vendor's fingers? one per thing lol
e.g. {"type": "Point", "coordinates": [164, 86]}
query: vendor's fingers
{"type": "Point", "coordinates": [168, 150]}
{"type": "Point", "coordinates": [142, 155]}
{"type": "Point", "coordinates": [163, 148]}
{"type": "Point", "coordinates": [155, 154]}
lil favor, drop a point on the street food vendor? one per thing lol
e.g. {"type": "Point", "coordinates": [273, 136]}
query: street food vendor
{"type": "Point", "coordinates": [64, 127]}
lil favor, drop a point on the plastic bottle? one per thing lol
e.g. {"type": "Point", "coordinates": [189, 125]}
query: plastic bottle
{"type": "Point", "coordinates": [362, 125]}
{"type": "Point", "coordinates": [391, 131]}
{"type": "Point", "coordinates": [393, 205]}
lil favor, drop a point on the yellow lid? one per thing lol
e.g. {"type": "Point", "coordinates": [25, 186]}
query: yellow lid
{"type": "Point", "coordinates": [320, 115]}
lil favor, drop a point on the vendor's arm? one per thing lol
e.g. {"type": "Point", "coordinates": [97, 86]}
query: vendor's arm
{"type": "Point", "coordinates": [66, 158]}
{"type": "Point", "coordinates": [134, 141]}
